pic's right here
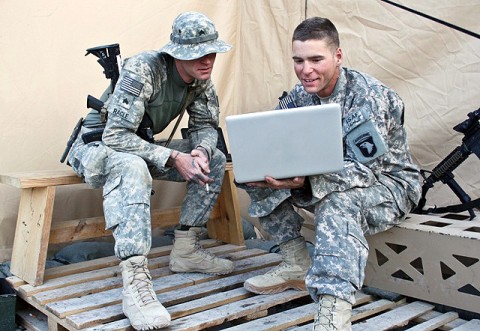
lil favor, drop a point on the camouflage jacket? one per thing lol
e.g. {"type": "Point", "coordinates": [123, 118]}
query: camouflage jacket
{"type": "Point", "coordinates": [375, 142]}
{"type": "Point", "coordinates": [150, 84]}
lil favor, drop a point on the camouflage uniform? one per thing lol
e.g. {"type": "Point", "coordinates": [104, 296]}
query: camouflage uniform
{"type": "Point", "coordinates": [377, 187]}
{"type": "Point", "coordinates": [124, 164]}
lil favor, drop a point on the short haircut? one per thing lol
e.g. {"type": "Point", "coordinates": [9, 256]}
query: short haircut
{"type": "Point", "coordinates": [318, 28]}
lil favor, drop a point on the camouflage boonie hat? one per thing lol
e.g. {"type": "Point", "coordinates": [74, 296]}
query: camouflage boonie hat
{"type": "Point", "coordinates": [193, 36]}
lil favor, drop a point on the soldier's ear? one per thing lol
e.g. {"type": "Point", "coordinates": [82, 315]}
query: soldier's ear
{"type": "Point", "coordinates": [338, 56]}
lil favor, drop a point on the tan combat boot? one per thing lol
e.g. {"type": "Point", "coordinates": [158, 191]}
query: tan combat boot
{"type": "Point", "coordinates": [188, 256]}
{"type": "Point", "coordinates": [288, 274]}
{"type": "Point", "coordinates": [333, 314]}
{"type": "Point", "coordinates": [140, 303]}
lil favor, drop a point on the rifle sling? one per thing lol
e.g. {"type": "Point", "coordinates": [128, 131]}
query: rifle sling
{"type": "Point", "coordinates": [455, 208]}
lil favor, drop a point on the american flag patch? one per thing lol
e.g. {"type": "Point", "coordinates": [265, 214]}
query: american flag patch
{"type": "Point", "coordinates": [286, 101]}
{"type": "Point", "coordinates": [131, 86]}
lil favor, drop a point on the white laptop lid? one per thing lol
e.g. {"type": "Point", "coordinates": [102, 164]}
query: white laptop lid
{"type": "Point", "coordinates": [286, 143]}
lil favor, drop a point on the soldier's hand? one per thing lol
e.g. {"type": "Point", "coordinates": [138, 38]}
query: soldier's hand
{"type": "Point", "coordinates": [288, 183]}
{"type": "Point", "coordinates": [201, 159]}
{"type": "Point", "coordinates": [190, 170]}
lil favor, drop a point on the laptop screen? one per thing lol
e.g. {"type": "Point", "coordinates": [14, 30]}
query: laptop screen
{"type": "Point", "coordinates": [286, 143]}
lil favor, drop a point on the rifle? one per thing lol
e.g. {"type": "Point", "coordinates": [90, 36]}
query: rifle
{"type": "Point", "coordinates": [70, 142]}
{"type": "Point", "coordinates": [444, 170]}
{"type": "Point", "coordinates": [109, 59]}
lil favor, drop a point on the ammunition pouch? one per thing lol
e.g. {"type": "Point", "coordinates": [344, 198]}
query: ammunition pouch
{"type": "Point", "coordinates": [94, 135]}
{"type": "Point", "coordinates": [144, 131]}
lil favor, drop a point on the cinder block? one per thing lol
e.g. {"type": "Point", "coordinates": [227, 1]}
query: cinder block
{"type": "Point", "coordinates": [433, 258]}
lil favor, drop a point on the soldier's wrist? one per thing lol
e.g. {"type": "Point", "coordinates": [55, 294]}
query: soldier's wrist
{"type": "Point", "coordinates": [172, 159]}
{"type": "Point", "coordinates": [203, 150]}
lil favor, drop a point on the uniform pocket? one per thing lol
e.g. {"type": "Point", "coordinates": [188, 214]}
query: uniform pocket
{"type": "Point", "coordinates": [94, 161]}
{"type": "Point", "coordinates": [111, 185]}
{"type": "Point", "coordinates": [112, 202]}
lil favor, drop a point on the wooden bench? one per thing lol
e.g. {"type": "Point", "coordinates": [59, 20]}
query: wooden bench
{"type": "Point", "coordinates": [34, 229]}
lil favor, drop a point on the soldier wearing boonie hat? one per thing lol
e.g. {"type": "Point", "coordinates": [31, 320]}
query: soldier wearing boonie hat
{"type": "Point", "coordinates": [154, 89]}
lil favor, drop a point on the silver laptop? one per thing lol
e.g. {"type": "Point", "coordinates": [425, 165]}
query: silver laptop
{"type": "Point", "coordinates": [286, 143]}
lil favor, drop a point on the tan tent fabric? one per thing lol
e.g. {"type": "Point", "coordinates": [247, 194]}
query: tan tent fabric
{"type": "Point", "coordinates": [45, 77]}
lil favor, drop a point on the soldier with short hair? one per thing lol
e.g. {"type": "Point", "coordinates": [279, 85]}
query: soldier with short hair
{"type": "Point", "coordinates": [156, 87]}
{"type": "Point", "coordinates": [378, 186]}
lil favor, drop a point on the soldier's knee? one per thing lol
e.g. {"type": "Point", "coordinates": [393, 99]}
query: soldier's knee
{"type": "Point", "coordinates": [135, 167]}
{"type": "Point", "coordinates": [218, 157]}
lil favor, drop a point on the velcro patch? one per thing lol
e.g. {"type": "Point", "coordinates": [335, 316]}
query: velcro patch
{"type": "Point", "coordinates": [131, 86]}
{"type": "Point", "coordinates": [125, 100]}
{"type": "Point", "coordinates": [353, 120]}
{"type": "Point", "coordinates": [122, 113]}
{"type": "Point", "coordinates": [366, 142]}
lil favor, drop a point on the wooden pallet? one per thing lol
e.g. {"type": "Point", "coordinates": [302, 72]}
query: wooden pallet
{"type": "Point", "coordinates": [87, 296]}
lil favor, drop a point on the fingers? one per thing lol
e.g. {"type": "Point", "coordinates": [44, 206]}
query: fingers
{"type": "Point", "coordinates": [198, 175]}
{"type": "Point", "coordinates": [201, 159]}
{"type": "Point", "coordinates": [194, 167]}
{"type": "Point", "coordinates": [202, 179]}
{"type": "Point", "coordinates": [288, 183]}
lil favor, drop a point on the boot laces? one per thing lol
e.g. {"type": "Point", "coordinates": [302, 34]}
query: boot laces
{"type": "Point", "coordinates": [201, 251]}
{"type": "Point", "coordinates": [141, 282]}
{"type": "Point", "coordinates": [279, 269]}
{"type": "Point", "coordinates": [324, 317]}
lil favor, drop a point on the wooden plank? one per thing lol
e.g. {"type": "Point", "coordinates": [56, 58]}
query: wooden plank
{"type": "Point", "coordinates": [107, 278]}
{"type": "Point", "coordinates": [205, 303]}
{"type": "Point", "coordinates": [280, 321]}
{"type": "Point", "coordinates": [192, 306]}
{"type": "Point", "coordinates": [361, 298]}
{"type": "Point", "coordinates": [41, 178]}
{"type": "Point", "coordinates": [436, 322]}
{"type": "Point", "coordinates": [15, 281]}
{"type": "Point", "coordinates": [32, 233]}
{"type": "Point", "coordinates": [228, 226]}
{"type": "Point", "coordinates": [101, 268]}
{"type": "Point", "coordinates": [374, 308]}
{"type": "Point", "coordinates": [472, 325]}
{"type": "Point", "coordinates": [121, 325]}
{"type": "Point", "coordinates": [394, 318]}
{"type": "Point", "coordinates": [73, 279]}
{"type": "Point", "coordinates": [77, 305]}
{"type": "Point", "coordinates": [163, 284]}
{"type": "Point", "coordinates": [235, 310]}
{"type": "Point", "coordinates": [194, 292]}
{"type": "Point", "coordinates": [94, 227]}
{"type": "Point", "coordinates": [433, 314]}
{"type": "Point", "coordinates": [79, 289]}
{"type": "Point", "coordinates": [32, 319]}
{"type": "Point", "coordinates": [44, 178]}
{"type": "Point", "coordinates": [305, 313]}
{"type": "Point", "coordinates": [80, 229]}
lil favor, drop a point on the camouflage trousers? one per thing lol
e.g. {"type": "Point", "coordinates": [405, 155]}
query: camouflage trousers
{"type": "Point", "coordinates": [127, 194]}
{"type": "Point", "coordinates": [342, 219]}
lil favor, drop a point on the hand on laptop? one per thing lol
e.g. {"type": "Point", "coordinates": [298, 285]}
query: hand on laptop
{"type": "Point", "coordinates": [287, 183]}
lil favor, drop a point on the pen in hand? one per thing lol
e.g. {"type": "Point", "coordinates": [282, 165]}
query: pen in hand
{"type": "Point", "coordinates": [207, 188]}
